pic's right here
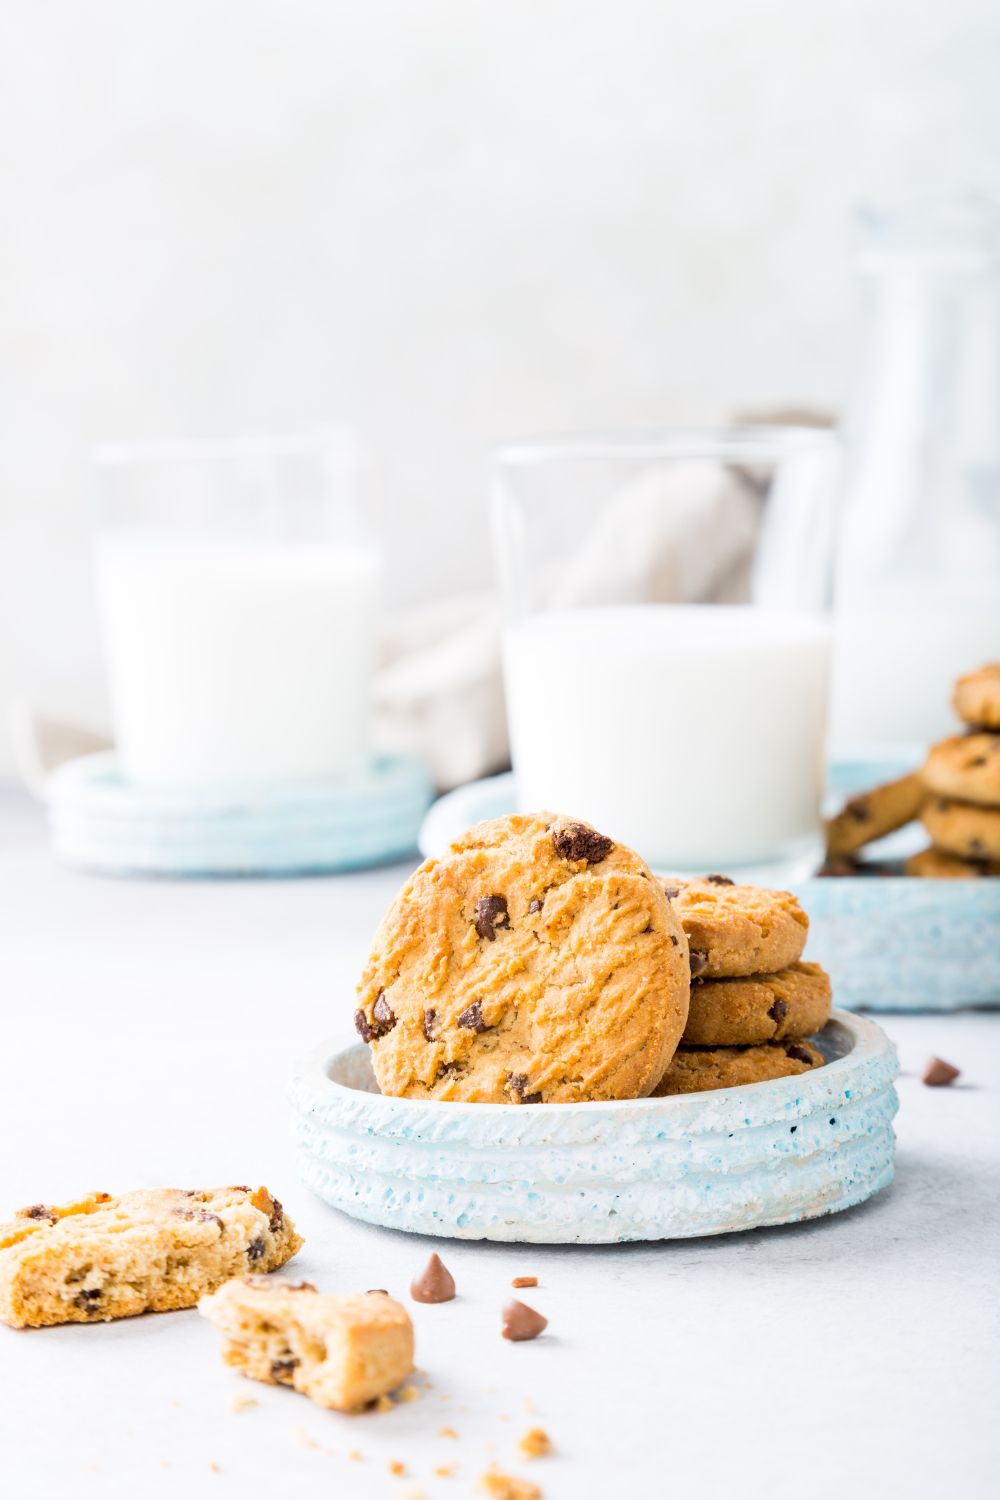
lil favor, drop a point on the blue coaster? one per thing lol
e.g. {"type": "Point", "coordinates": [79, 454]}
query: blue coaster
{"type": "Point", "coordinates": [99, 821]}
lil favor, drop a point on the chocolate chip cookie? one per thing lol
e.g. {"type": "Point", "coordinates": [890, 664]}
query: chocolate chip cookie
{"type": "Point", "coordinates": [793, 1003]}
{"type": "Point", "coordinates": [537, 961]}
{"type": "Point", "coordinates": [103, 1257]}
{"type": "Point", "coordinates": [872, 815]}
{"type": "Point", "coordinates": [963, 828]}
{"type": "Point", "coordinates": [934, 864]}
{"type": "Point", "coordinates": [967, 766]}
{"type": "Point", "coordinates": [976, 698]}
{"type": "Point", "coordinates": [734, 930]}
{"type": "Point", "coordinates": [695, 1069]}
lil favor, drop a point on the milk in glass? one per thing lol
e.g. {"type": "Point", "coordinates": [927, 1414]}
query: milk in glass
{"type": "Point", "coordinates": [694, 734]}
{"type": "Point", "coordinates": [236, 662]}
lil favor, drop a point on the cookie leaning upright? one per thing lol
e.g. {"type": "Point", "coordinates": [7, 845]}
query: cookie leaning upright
{"type": "Point", "coordinates": [537, 961]}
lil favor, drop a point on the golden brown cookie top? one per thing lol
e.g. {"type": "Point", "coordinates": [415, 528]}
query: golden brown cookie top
{"type": "Point", "coordinates": [787, 1005]}
{"type": "Point", "coordinates": [976, 698]}
{"type": "Point", "coordinates": [966, 766]}
{"type": "Point", "coordinates": [695, 1069]}
{"type": "Point", "coordinates": [737, 929]}
{"type": "Point", "coordinates": [538, 961]}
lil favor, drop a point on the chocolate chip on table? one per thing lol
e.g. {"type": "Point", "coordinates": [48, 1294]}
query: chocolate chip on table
{"type": "Point", "coordinates": [779, 1010]}
{"type": "Point", "coordinates": [719, 880]}
{"type": "Point", "coordinates": [517, 1084]}
{"type": "Point", "coordinates": [521, 1322]}
{"type": "Point", "coordinates": [430, 1016]}
{"type": "Point", "coordinates": [520, 1281]}
{"type": "Point", "coordinates": [472, 1017]}
{"type": "Point", "coordinates": [435, 1282]}
{"type": "Point", "coordinates": [938, 1073]}
{"type": "Point", "coordinates": [574, 841]}
{"type": "Point", "coordinates": [800, 1054]}
{"type": "Point", "coordinates": [699, 961]}
{"type": "Point", "coordinates": [491, 913]}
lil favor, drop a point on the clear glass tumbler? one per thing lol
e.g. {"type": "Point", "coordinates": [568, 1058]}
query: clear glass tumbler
{"type": "Point", "coordinates": [667, 637]}
{"type": "Point", "coordinates": [237, 594]}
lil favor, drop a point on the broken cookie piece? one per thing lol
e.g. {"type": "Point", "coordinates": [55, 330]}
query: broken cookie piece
{"type": "Point", "coordinates": [102, 1257]}
{"type": "Point", "coordinates": [341, 1352]}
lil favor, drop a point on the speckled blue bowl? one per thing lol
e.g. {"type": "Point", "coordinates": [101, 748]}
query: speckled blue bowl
{"type": "Point", "coordinates": [595, 1174]}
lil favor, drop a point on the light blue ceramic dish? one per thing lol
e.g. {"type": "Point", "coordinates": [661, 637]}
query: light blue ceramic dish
{"type": "Point", "coordinates": [100, 822]}
{"type": "Point", "coordinates": [890, 943]}
{"type": "Point", "coordinates": [597, 1174]}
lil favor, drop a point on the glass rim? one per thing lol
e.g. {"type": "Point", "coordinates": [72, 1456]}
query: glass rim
{"type": "Point", "coordinates": [127, 452]}
{"type": "Point", "coordinates": [733, 442]}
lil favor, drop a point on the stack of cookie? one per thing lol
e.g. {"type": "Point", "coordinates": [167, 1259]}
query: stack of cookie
{"type": "Point", "coordinates": [753, 1002]}
{"type": "Point", "coordinates": [956, 795]}
{"type": "Point", "coordinates": [540, 962]}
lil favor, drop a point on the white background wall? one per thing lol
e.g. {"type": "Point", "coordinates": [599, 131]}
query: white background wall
{"type": "Point", "coordinates": [446, 222]}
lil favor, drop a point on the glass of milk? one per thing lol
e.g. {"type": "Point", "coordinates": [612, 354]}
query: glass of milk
{"type": "Point", "coordinates": [667, 638]}
{"type": "Point", "coordinates": [237, 595]}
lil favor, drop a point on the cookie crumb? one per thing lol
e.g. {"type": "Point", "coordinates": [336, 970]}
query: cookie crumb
{"type": "Point", "coordinates": [445, 1471]}
{"type": "Point", "coordinates": [938, 1073]}
{"type": "Point", "coordinates": [448, 1432]}
{"type": "Point", "coordinates": [503, 1486]}
{"type": "Point", "coordinates": [215, 1468]}
{"type": "Point", "coordinates": [536, 1443]}
{"type": "Point", "coordinates": [524, 1281]}
{"type": "Point", "coordinates": [356, 1457]}
{"type": "Point", "coordinates": [381, 1403]}
{"type": "Point", "coordinates": [396, 1466]}
{"type": "Point", "coordinates": [305, 1439]}
{"type": "Point", "coordinates": [241, 1403]}
{"type": "Point", "coordinates": [409, 1393]}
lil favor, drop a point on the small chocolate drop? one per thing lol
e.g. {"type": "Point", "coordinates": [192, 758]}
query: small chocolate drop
{"type": "Point", "coordinates": [521, 1322]}
{"type": "Point", "coordinates": [435, 1282]}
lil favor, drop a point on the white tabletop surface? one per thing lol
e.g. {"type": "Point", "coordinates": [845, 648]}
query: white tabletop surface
{"type": "Point", "coordinates": [149, 1030]}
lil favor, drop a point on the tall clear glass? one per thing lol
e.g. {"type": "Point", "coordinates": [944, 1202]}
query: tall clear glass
{"type": "Point", "coordinates": [918, 569]}
{"type": "Point", "coordinates": [667, 637]}
{"type": "Point", "coordinates": [237, 594]}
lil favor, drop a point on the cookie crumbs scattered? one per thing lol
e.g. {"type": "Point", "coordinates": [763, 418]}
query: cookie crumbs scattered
{"type": "Point", "coordinates": [215, 1468]}
{"type": "Point", "coordinates": [503, 1486]}
{"type": "Point", "coordinates": [415, 1495]}
{"type": "Point", "coordinates": [536, 1443]}
{"type": "Point", "coordinates": [409, 1393]}
{"type": "Point", "coordinates": [304, 1438]}
{"type": "Point", "coordinates": [448, 1432]}
{"type": "Point", "coordinates": [938, 1073]}
{"type": "Point", "coordinates": [356, 1457]}
{"type": "Point", "coordinates": [241, 1403]}
{"type": "Point", "coordinates": [396, 1466]}
{"type": "Point", "coordinates": [520, 1281]}
{"type": "Point", "coordinates": [445, 1471]}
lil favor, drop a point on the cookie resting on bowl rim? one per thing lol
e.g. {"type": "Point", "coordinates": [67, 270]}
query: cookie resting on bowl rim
{"type": "Point", "coordinates": [603, 1173]}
